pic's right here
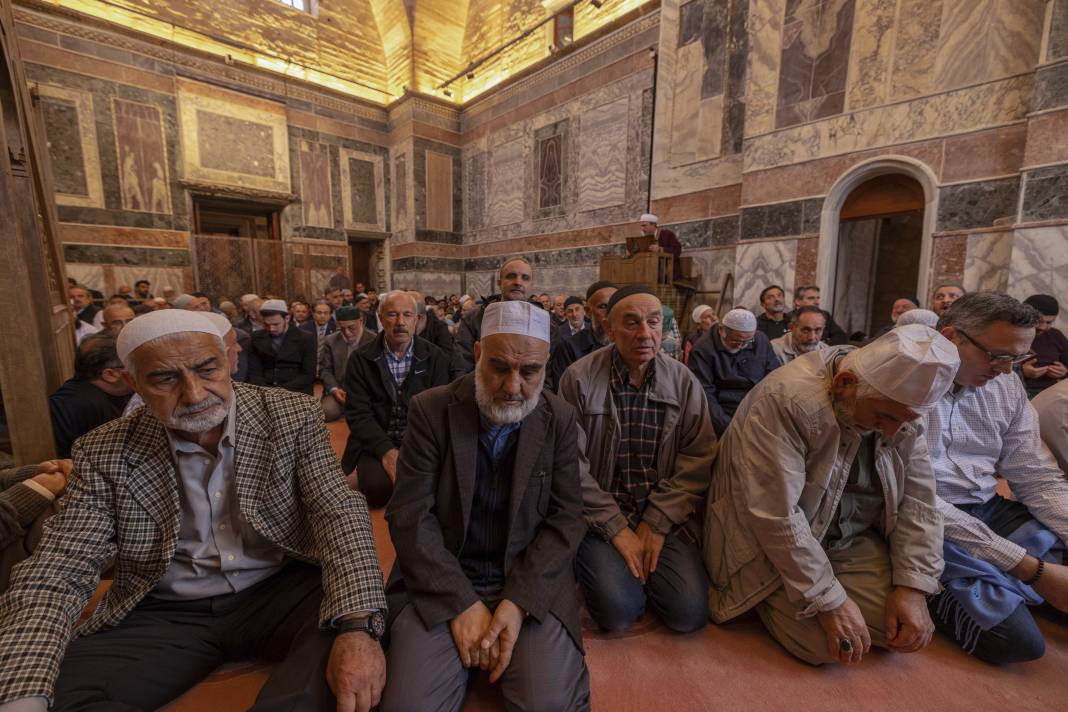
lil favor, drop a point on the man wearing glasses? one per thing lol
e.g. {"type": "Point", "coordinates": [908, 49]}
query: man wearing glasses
{"type": "Point", "coordinates": [1002, 555]}
{"type": "Point", "coordinates": [728, 361]}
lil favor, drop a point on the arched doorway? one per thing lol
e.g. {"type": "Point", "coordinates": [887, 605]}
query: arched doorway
{"type": "Point", "coordinates": [875, 241]}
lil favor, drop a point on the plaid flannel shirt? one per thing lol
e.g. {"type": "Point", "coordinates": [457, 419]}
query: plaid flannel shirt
{"type": "Point", "coordinates": [641, 420]}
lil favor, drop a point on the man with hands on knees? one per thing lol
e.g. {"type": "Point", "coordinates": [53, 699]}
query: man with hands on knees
{"type": "Point", "coordinates": [485, 516]}
{"type": "Point", "coordinates": [822, 513]}
{"type": "Point", "coordinates": [234, 537]}
{"type": "Point", "coordinates": [646, 448]}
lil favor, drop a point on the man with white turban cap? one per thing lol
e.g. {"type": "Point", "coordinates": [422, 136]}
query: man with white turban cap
{"type": "Point", "coordinates": [227, 514]}
{"type": "Point", "coordinates": [486, 516]}
{"type": "Point", "coordinates": [821, 513]}
{"type": "Point", "coordinates": [666, 240]}
{"type": "Point", "coordinates": [728, 361]}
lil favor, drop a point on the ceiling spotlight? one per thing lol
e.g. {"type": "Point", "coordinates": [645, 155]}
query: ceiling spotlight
{"type": "Point", "coordinates": [446, 92]}
{"type": "Point", "coordinates": [597, 3]}
{"type": "Point", "coordinates": [470, 75]}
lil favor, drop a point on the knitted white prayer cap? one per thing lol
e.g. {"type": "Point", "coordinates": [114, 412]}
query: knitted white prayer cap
{"type": "Point", "coordinates": [516, 317]}
{"type": "Point", "coordinates": [246, 298]}
{"type": "Point", "coordinates": [649, 218]}
{"type": "Point", "coordinates": [221, 323]}
{"type": "Point", "coordinates": [274, 305]}
{"type": "Point", "coordinates": [182, 301]}
{"type": "Point", "coordinates": [912, 364]}
{"type": "Point", "coordinates": [698, 312]}
{"type": "Point", "coordinates": [739, 320]}
{"type": "Point", "coordinates": [918, 316]}
{"type": "Point", "coordinates": [153, 325]}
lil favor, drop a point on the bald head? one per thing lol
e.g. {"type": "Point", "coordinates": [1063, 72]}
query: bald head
{"type": "Point", "coordinates": [115, 317]}
{"type": "Point", "coordinates": [516, 280]}
{"type": "Point", "coordinates": [636, 325]}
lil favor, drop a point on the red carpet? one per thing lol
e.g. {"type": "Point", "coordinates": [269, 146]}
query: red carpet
{"type": "Point", "coordinates": [738, 667]}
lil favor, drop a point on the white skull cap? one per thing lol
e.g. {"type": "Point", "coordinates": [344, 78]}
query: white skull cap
{"type": "Point", "coordinates": [740, 320]}
{"type": "Point", "coordinates": [912, 364]}
{"type": "Point", "coordinates": [516, 317]}
{"type": "Point", "coordinates": [153, 325]}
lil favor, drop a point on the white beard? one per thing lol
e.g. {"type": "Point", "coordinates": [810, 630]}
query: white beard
{"type": "Point", "coordinates": [200, 417]}
{"type": "Point", "coordinates": [504, 414]}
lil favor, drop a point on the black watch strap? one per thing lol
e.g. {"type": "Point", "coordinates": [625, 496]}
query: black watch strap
{"type": "Point", "coordinates": [373, 625]}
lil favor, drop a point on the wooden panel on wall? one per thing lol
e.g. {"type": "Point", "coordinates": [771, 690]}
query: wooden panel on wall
{"type": "Point", "coordinates": [438, 191]}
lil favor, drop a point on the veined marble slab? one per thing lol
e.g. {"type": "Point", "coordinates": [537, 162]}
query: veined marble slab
{"type": "Point", "coordinates": [714, 265]}
{"type": "Point", "coordinates": [986, 262]}
{"type": "Point", "coordinates": [505, 203]}
{"type": "Point", "coordinates": [871, 53]}
{"type": "Point", "coordinates": [1039, 265]}
{"type": "Point", "coordinates": [759, 264]}
{"type": "Point", "coordinates": [602, 177]}
{"type": "Point", "coordinates": [765, 45]}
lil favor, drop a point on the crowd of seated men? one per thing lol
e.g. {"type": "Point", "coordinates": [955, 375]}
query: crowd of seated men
{"type": "Point", "coordinates": [533, 454]}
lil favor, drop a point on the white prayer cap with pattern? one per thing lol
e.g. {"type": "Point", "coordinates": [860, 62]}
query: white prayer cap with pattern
{"type": "Point", "coordinates": [698, 312]}
{"type": "Point", "coordinates": [918, 316]}
{"type": "Point", "coordinates": [912, 364]}
{"type": "Point", "coordinates": [182, 301]}
{"type": "Point", "coordinates": [739, 320]}
{"type": "Point", "coordinates": [274, 305]}
{"type": "Point", "coordinates": [649, 218]}
{"type": "Point", "coordinates": [153, 325]}
{"type": "Point", "coordinates": [516, 317]}
{"type": "Point", "coordinates": [246, 298]}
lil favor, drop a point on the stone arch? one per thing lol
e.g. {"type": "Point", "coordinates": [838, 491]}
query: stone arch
{"type": "Point", "coordinates": [830, 218]}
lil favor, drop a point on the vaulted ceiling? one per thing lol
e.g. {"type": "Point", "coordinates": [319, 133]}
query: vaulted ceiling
{"type": "Point", "coordinates": [372, 49]}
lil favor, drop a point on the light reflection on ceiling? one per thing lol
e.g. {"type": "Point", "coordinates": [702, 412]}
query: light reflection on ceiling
{"type": "Point", "coordinates": [368, 49]}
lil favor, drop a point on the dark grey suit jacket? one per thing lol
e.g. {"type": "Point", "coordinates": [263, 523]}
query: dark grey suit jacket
{"type": "Point", "coordinates": [334, 358]}
{"type": "Point", "coordinates": [431, 508]}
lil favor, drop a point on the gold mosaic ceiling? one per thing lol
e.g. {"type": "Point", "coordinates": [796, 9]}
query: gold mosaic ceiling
{"type": "Point", "coordinates": [371, 49]}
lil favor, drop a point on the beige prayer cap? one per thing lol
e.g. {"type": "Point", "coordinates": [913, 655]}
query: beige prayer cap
{"type": "Point", "coordinates": [698, 312]}
{"type": "Point", "coordinates": [182, 301]}
{"type": "Point", "coordinates": [221, 323]}
{"type": "Point", "coordinates": [912, 364]}
{"type": "Point", "coordinates": [153, 325]}
{"type": "Point", "coordinates": [918, 316]}
{"type": "Point", "coordinates": [516, 317]}
{"type": "Point", "coordinates": [649, 218]}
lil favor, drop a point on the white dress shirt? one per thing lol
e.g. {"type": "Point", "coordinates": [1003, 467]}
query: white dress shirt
{"type": "Point", "coordinates": [977, 434]}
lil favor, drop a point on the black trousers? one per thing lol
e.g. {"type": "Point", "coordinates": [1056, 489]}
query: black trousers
{"type": "Point", "coordinates": [373, 481]}
{"type": "Point", "coordinates": [163, 648]}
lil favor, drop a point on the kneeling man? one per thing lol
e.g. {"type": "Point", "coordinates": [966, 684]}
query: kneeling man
{"type": "Point", "coordinates": [646, 452]}
{"type": "Point", "coordinates": [233, 534]}
{"type": "Point", "coordinates": [486, 516]}
{"type": "Point", "coordinates": [822, 507]}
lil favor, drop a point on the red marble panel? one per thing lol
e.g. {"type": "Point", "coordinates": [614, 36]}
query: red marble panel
{"type": "Point", "coordinates": [814, 60]}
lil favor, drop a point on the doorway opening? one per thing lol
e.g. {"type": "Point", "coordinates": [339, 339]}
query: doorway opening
{"type": "Point", "coordinates": [880, 245]}
{"type": "Point", "coordinates": [237, 248]}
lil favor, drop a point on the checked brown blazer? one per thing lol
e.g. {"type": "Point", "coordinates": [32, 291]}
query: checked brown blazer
{"type": "Point", "coordinates": [122, 505]}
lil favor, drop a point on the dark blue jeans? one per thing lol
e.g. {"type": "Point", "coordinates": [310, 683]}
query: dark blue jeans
{"type": "Point", "coordinates": [677, 592]}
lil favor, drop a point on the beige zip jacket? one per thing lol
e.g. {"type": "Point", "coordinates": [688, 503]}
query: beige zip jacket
{"type": "Point", "coordinates": [782, 467]}
{"type": "Point", "coordinates": [687, 444]}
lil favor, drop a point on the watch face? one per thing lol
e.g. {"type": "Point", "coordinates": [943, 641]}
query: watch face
{"type": "Point", "coordinates": [378, 624]}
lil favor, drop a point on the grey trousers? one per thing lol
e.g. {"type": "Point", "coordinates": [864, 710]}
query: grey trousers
{"type": "Point", "coordinates": [863, 568]}
{"type": "Point", "coordinates": [332, 407]}
{"type": "Point", "coordinates": [547, 672]}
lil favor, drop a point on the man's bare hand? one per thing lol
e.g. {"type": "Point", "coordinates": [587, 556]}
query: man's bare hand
{"type": "Point", "coordinates": [632, 550]}
{"type": "Point", "coordinates": [1056, 370]}
{"type": "Point", "coordinates": [1032, 371]}
{"type": "Point", "coordinates": [908, 622]}
{"type": "Point", "coordinates": [339, 395]}
{"type": "Point", "coordinates": [389, 463]}
{"type": "Point", "coordinates": [845, 623]}
{"type": "Point", "coordinates": [468, 629]}
{"type": "Point", "coordinates": [501, 637]}
{"type": "Point", "coordinates": [356, 672]}
{"type": "Point", "coordinates": [652, 543]}
{"type": "Point", "coordinates": [53, 474]}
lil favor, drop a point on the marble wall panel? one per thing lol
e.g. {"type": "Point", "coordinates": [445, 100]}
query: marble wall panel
{"type": "Point", "coordinates": [363, 198]}
{"type": "Point", "coordinates": [233, 139]}
{"type": "Point", "coordinates": [401, 209]}
{"type": "Point", "coordinates": [1045, 194]}
{"type": "Point", "coordinates": [948, 255]}
{"type": "Point", "coordinates": [975, 205]}
{"type": "Point", "coordinates": [993, 104]}
{"type": "Point", "coordinates": [315, 187]}
{"type": "Point", "coordinates": [983, 39]}
{"type": "Point", "coordinates": [70, 129]}
{"type": "Point", "coordinates": [550, 172]}
{"type": "Point", "coordinates": [713, 265]}
{"type": "Point", "coordinates": [505, 202]}
{"type": "Point", "coordinates": [916, 45]}
{"type": "Point", "coordinates": [871, 53]}
{"type": "Point", "coordinates": [439, 191]}
{"type": "Point", "coordinates": [815, 60]}
{"type": "Point", "coordinates": [1057, 45]}
{"type": "Point", "coordinates": [602, 170]}
{"type": "Point", "coordinates": [90, 275]}
{"type": "Point", "coordinates": [758, 264]}
{"type": "Point", "coordinates": [697, 106]}
{"type": "Point", "coordinates": [806, 261]}
{"type": "Point", "coordinates": [1039, 265]}
{"type": "Point", "coordinates": [159, 277]}
{"type": "Point", "coordinates": [986, 262]}
{"type": "Point", "coordinates": [765, 43]}
{"type": "Point", "coordinates": [142, 157]}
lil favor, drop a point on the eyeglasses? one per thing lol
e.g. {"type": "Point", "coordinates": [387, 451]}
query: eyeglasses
{"type": "Point", "coordinates": [1000, 359]}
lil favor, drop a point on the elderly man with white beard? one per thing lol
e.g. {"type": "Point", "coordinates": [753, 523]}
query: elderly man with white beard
{"type": "Point", "coordinates": [486, 516]}
{"type": "Point", "coordinates": [822, 514]}
{"type": "Point", "coordinates": [233, 535]}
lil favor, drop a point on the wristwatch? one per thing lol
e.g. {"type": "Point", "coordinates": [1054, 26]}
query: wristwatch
{"type": "Point", "coordinates": [373, 625]}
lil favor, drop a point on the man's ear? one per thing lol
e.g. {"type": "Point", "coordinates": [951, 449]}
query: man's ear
{"type": "Point", "coordinates": [949, 332]}
{"type": "Point", "coordinates": [478, 350]}
{"type": "Point", "coordinates": [845, 379]}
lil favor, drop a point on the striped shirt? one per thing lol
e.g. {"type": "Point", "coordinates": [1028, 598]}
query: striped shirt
{"type": "Point", "coordinates": [977, 434]}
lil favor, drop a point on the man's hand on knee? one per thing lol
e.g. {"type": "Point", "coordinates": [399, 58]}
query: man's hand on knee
{"type": "Point", "coordinates": [847, 632]}
{"type": "Point", "coordinates": [468, 629]}
{"type": "Point", "coordinates": [908, 621]}
{"type": "Point", "coordinates": [503, 632]}
{"type": "Point", "coordinates": [356, 672]}
{"type": "Point", "coordinates": [632, 550]}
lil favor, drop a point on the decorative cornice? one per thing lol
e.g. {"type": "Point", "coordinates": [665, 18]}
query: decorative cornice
{"type": "Point", "coordinates": [235, 191]}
